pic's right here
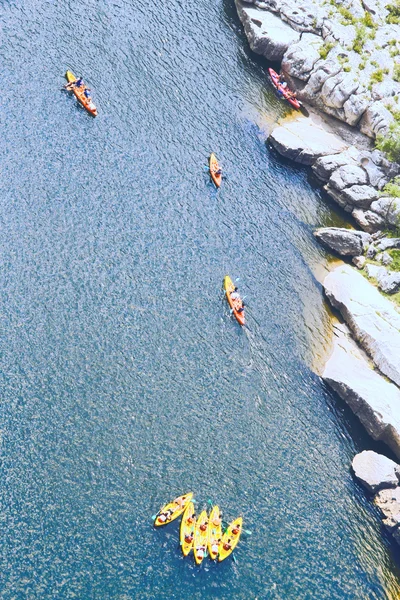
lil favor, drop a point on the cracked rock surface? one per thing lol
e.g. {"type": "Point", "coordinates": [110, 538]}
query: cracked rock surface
{"type": "Point", "coordinates": [372, 318]}
{"type": "Point", "coordinates": [373, 399]}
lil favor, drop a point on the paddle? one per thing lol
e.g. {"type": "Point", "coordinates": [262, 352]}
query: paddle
{"type": "Point", "coordinates": [246, 531]}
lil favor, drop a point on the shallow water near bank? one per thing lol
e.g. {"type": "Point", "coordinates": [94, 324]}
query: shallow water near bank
{"type": "Point", "coordinates": [124, 379]}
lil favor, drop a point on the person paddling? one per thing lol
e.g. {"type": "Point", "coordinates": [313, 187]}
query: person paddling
{"type": "Point", "coordinates": [77, 83]}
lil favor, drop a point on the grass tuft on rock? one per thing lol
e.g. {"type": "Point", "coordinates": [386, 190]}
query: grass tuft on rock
{"type": "Point", "coordinates": [325, 49]}
{"type": "Point", "coordinates": [389, 143]}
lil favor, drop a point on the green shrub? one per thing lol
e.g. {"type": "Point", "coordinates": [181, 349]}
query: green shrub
{"type": "Point", "coordinates": [377, 76]}
{"type": "Point", "coordinates": [395, 254]}
{"type": "Point", "coordinates": [347, 15]}
{"type": "Point", "coordinates": [390, 142]}
{"type": "Point", "coordinates": [392, 188]}
{"type": "Point", "coordinates": [395, 113]}
{"type": "Point", "coordinates": [347, 69]}
{"type": "Point", "coordinates": [396, 73]}
{"type": "Point", "coordinates": [394, 13]}
{"type": "Point", "coordinates": [375, 64]}
{"type": "Point", "coordinates": [368, 21]}
{"type": "Point", "coordinates": [360, 39]}
{"type": "Point", "coordinates": [394, 52]}
{"type": "Point", "coordinates": [325, 49]}
{"type": "Point", "coordinates": [392, 42]}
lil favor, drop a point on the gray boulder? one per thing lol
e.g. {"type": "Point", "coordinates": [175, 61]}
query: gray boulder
{"type": "Point", "coordinates": [304, 140]}
{"type": "Point", "coordinates": [326, 165]}
{"type": "Point", "coordinates": [300, 58]}
{"type": "Point", "coordinates": [372, 398]}
{"type": "Point", "coordinates": [375, 471]}
{"type": "Point", "coordinates": [359, 262]}
{"type": "Point", "coordinates": [345, 242]}
{"type": "Point", "coordinates": [348, 175]}
{"type": "Point", "coordinates": [376, 119]}
{"type": "Point", "coordinates": [373, 319]}
{"type": "Point", "coordinates": [388, 501]}
{"type": "Point", "coordinates": [386, 258]}
{"type": "Point", "coordinates": [389, 282]}
{"type": "Point", "coordinates": [386, 243]}
{"type": "Point", "coordinates": [368, 220]}
{"type": "Point", "coordinates": [389, 209]}
{"type": "Point", "coordinates": [360, 196]}
{"type": "Point", "coordinates": [268, 35]}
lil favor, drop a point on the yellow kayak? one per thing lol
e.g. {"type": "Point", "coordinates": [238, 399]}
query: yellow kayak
{"type": "Point", "coordinates": [172, 510]}
{"type": "Point", "coordinates": [230, 539]}
{"type": "Point", "coordinates": [214, 532]}
{"type": "Point", "coordinates": [236, 304]}
{"type": "Point", "coordinates": [200, 537]}
{"type": "Point", "coordinates": [188, 524]}
{"type": "Point", "coordinates": [80, 95]}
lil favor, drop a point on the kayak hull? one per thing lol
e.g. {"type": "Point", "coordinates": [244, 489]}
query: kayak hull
{"type": "Point", "coordinates": [188, 525]}
{"type": "Point", "coordinates": [214, 532]}
{"type": "Point", "coordinates": [230, 538]}
{"type": "Point", "coordinates": [229, 286]}
{"type": "Point", "coordinates": [275, 80]}
{"type": "Point", "coordinates": [200, 538]}
{"type": "Point", "coordinates": [177, 510]}
{"type": "Point", "coordinates": [80, 96]}
{"type": "Point", "coordinates": [214, 166]}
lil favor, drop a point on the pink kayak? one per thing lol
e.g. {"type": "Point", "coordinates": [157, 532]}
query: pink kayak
{"type": "Point", "coordinates": [275, 80]}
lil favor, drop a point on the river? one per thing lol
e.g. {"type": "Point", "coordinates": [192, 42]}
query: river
{"type": "Point", "coordinates": [124, 381]}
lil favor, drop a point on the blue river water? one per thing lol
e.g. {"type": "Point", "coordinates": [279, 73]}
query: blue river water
{"type": "Point", "coordinates": [124, 380]}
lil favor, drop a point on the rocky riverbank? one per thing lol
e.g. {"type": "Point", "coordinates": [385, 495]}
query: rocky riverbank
{"type": "Point", "coordinates": [380, 475]}
{"type": "Point", "coordinates": [344, 59]}
{"type": "Point", "coordinates": [353, 173]}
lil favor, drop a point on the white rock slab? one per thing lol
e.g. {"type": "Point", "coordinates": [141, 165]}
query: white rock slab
{"type": "Point", "coordinates": [389, 503]}
{"type": "Point", "coordinates": [267, 34]}
{"type": "Point", "coordinates": [372, 398]}
{"type": "Point", "coordinates": [375, 471]}
{"type": "Point", "coordinates": [374, 320]}
{"type": "Point", "coordinates": [303, 140]}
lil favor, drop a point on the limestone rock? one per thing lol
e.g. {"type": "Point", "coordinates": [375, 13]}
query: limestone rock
{"type": "Point", "coordinates": [302, 16]}
{"type": "Point", "coordinates": [348, 175]}
{"type": "Point", "coordinates": [373, 319]}
{"type": "Point", "coordinates": [268, 35]}
{"type": "Point", "coordinates": [386, 243]}
{"type": "Point", "coordinates": [388, 209]}
{"type": "Point", "coordinates": [376, 120]}
{"type": "Point", "coordinates": [389, 282]}
{"type": "Point", "coordinates": [374, 271]}
{"type": "Point", "coordinates": [303, 141]}
{"type": "Point", "coordinates": [359, 261]}
{"type": "Point", "coordinates": [326, 165]}
{"type": "Point", "coordinates": [360, 196]}
{"type": "Point", "coordinates": [375, 471]}
{"type": "Point", "coordinates": [338, 89]}
{"type": "Point", "coordinates": [388, 501]}
{"type": "Point", "coordinates": [368, 220]}
{"type": "Point", "coordinates": [301, 57]}
{"type": "Point", "coordinates": [345, 242]}
{"type": "Point", "coordinates": [323, 70]}
{"type": "Point", "coordinates": [372, 398]}
{"type": "Point", "coordinates": [386, 258]}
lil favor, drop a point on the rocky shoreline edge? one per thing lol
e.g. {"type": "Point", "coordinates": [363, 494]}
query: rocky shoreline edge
{"type": "Point", "coordinates": [312, 45]}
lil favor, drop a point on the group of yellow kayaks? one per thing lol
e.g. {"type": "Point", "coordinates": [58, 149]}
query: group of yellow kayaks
{"type": "Point", "coordinates": [203, 534]}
